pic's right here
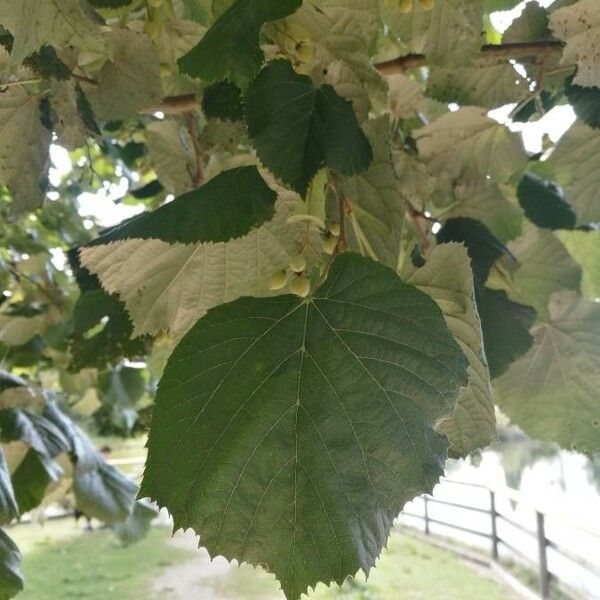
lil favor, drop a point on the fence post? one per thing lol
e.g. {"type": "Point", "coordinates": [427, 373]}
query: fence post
{"type": "Point", "coordinates": [494, 525]}
{"type": "Point", "coordinates": [542, 545]}
{"type": "Point", "coordinates": [426, 516]}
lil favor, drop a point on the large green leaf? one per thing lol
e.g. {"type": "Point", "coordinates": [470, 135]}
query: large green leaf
{"type": "Point", "coordinates": [170, 286]}
{"type": "Point", "coordinates": [552, 391]}
{"type": "Point", "coordinates": [11, 578]}
{"type": "Point", "coordinates": [302, 427]}
{"type": "Point", "coordinates": [448, 278]}
{"type": "Point", "coordinates": [24, 149]}
{"type": "Point", "coordinates": [297, 128]}
{"type": "Point", "coordinates": [226, 207]}
{"type": "Point", "coordinates": [9, 509]}
{"type": "Point", "coordinates": [230, 48]}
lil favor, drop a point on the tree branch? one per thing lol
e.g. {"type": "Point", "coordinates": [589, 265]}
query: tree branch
{"type": "Point", "coordinates": [490, 54]}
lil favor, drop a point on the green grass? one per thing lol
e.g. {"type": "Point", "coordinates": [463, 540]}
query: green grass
{"type": "Point", "coordinates": [61, 562]}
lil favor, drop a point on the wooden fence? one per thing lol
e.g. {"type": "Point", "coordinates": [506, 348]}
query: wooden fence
{"type": "Point", "coordinates": [498, 542]}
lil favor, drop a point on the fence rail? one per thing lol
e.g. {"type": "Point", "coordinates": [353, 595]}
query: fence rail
{"type": "Point", "coordinates": [497, 541]}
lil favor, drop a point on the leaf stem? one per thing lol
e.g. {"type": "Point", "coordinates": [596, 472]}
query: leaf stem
{"type": "Point", "coordinates": [198, 176]}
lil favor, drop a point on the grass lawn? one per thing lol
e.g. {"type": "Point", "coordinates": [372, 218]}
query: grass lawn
{"type": "Point", "coordinates": [62, 561]}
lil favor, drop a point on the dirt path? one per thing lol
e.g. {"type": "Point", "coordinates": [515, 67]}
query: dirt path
{"type": "Point", "coordinates": [202, 579]}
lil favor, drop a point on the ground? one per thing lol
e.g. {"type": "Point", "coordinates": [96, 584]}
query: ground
{"type": "Point", "coordinates": [61, 562]}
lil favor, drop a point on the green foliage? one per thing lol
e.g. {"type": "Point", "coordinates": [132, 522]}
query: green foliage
{"type": "Point", "coordinates": [283, 383]}
{"type": "Point", "coordinates": [317, 127]}
{"type": "Point", "coordinates": [206, 213]}
{"type": "Point", "coordinates": [230, 48]}
{"type": "Point", "coordinates": [252, 145]}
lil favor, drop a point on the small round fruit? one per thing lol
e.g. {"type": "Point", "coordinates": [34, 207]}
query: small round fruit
{"type": "Point", "coordinates": [335, 229]}
{"type": "Point", "coordinates": [298, 263]}
{"type": "Point", "coordinates": [278, 280]}
{"type": "Point", "coordinates": [329, 244]}
{"type": "Point", "coordinates": [300, 286]}
{"type": "Point", "coordinates": [405, 5]}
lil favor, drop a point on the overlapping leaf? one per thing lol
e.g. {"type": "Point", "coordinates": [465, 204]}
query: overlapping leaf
{"type": "Point", "coordinates": [226, 207]}
{"type": "Point", "coordinates": [543, 267]}
{"type": "Point", "coordinates": [130, 80]}
{"type": "Point", "coordinates": [450, 34]}
{"type": "Point", "coordinates": [448, 278]}
{"type": "Point", "coordinates": [550, 392]}
{"type": "Point", "coordinates": [544, 203]}
{"type": "Point", "coordinates": [584, 247]}
{"type": "Point", "coordinates": [375, 199]}
{"type": "Point", "coordinates": [468, 144]}
{"type": "Point", "coordinates": [230, 49]}
{"type": "Point", "coordinates": [172, 155]}
{"type": "Point", "coordinates": [59, 23]}
{"type": "Point", "coordinates": [304, 426]}
{"type": "Point", "coordinates": [102, 332]}
{"type": "Point", "coordinates": [170, 286]}
{"type": "Point", "coordinates": [317, 127]}
{"type": "Point", "coordinates": [25, 147]}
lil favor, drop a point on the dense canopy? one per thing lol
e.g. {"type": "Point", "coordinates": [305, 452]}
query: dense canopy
{"type": "Point", "coordinates": [320, 221]}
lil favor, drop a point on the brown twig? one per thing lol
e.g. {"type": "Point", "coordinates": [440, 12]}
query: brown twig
{"type": "Point", "coordinates": [175, 105]}
{"type": "Point", "coordinates": [198, 176]}
{"type": "Point", "coordinates": [490, 54]}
